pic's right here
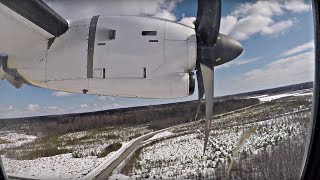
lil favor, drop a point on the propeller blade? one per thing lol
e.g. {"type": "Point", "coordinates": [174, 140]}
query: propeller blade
{"type": "Point", "coordinates": [207, 27]}
{"type": "Point", "coordinates": [207, 24]}
{"type": "Point", "coordinates": [207, 74]}
{"type": "Point", "coordinates": [200, 82]}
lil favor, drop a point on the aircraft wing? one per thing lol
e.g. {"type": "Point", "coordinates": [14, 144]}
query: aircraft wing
{"type": "Point", "coordinates": [26, 23]}
{"type": "Point", "coordinates": [26, 29]}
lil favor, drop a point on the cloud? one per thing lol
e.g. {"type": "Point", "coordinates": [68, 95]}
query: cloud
{"type": "Point", "coordinates": [296, 6]}
{"type": "Point", "coordinates": [263, 8]}
{"type": "Point", "coordinates": [247, 61]}
{"type": "Point", "coordinates": [239, 62]}
{"type": "Point", "coordinates": [259, 18]}
{"type": "Point", "coordinates": [299, 49]}
{"type": "Point", "coordinates": [277, 27]}
{"type": "Point", "coordinates": [165, 14]}
{"type": "Point", "coordinates": [6, 108]}
{"type": "Point", "coordinates": [61, 94]}
{"type": "Point", "coordinates": [247, 26]}
{"type": "Point", "coordinates": [188, 21]}
{"type": "Point", "coordinates": [78, 9]}
{"type": "Point", "coordinates": [227, 24]}
{"type": "Point", "coordinates": [285, 71]}
{"type": "Point", "coordinates": [33, 107]}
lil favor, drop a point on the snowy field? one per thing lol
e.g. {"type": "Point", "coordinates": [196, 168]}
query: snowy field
{"type": "Point", "coordinates": [264, 98]}
{"type": "Point", "coordinates": [62, 166]}
{"type": "Point", "coordinates": [275, 125]}
{"type": "Point", "coordinates": [77, 153]}
{"type": "Point", "coordinates": [181, 157]}
{"type": "Point", "coordinates": [11, 139]}
{"type": "Point", "coordinates": [278, 121]}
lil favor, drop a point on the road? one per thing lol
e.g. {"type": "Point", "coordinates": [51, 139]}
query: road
{"type": "Point", "coordinates": [108, 171]}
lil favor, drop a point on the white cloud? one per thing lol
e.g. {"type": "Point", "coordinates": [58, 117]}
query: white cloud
{"type": "Point", "coordinates": [61, 94]}
{"type": "Point", "coordinates": [239, 62]}
{"type": "Point", "coordinates": [285, 71]}
{"type": "Point", "coordinates": [259, 18]}
{"type": "Point", "coordinates": [227, 24]}
{"type": "Point", "coordinates": [33, 107]}
{"type": "Point", "coordinates": [188, 21]}
{"type": "Point", "coordinates": [263, 8]}
{"type": "Point", "coordinates": [247, 61]}
{"type": "Point", "coordinates": [77, 9]}
{"type": "Point", "coordinates": [165, 14]}
{"type": "Point", "coordinates": [247, 26]}
{"type": "Point", "coordinates": [6, 108]}
{"type": "Point", "coordinates": [297, 6]}
{"type": "Point", "coordinates": [277, 27]}
{"type": "Point", "coordinates": [298, 49]}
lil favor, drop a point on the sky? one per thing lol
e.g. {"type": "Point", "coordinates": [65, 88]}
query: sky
{"type": "Point", "coordinates": [277, 37]}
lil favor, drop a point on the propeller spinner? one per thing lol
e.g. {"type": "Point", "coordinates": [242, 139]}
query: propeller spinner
{"type": "Point", "coordinates": [211, 48]}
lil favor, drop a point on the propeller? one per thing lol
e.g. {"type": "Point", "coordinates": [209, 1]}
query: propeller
{"type": "Point", "coordinates": [207, 27]}
{"type": "Point", "coordinates": [213, 49]}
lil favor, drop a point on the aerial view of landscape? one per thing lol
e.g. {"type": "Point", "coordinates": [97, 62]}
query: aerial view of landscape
{"type": "Point", "coordinates": [255, 135]}
{"type": "Point", "coordinates": [124, 89]}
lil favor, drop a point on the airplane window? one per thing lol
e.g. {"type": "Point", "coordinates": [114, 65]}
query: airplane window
{"type": "Point", "coordinates": [221, 89]}
{"type": "Point", "coordinates": [149, 33]}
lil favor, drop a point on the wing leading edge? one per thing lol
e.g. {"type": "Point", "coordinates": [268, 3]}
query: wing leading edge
{"type": "Point", "coordinates": [40, 14]}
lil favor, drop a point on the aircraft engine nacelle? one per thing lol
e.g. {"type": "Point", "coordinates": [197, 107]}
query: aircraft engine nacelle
{"type": "Point", "coordinates": [127, 56]}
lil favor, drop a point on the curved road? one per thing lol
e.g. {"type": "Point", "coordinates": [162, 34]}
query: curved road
{"type": "Point", "coordinates": [108, 171]}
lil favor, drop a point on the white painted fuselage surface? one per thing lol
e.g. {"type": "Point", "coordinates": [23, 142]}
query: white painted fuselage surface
{"type": "Point", "coordinates": [127, 56]}
{"type": "Point", "coordinates": [128, 64]}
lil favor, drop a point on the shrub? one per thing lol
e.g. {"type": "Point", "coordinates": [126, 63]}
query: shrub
{"type": "Point", "coordinates": [109, 149]}
{"type": "Point", "coordinates": [77, 155]}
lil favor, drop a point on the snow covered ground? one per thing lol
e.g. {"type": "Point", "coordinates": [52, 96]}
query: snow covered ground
{"type": "Point", "coordinates": [87, 145]}
{"type": "Point", "coordinates": [174, 157]}
{"type": "Point", "coordinates": [161, 135]}
{"type": "Point", "coordinates": [264, 98]}
{"type": "Point", "coordinates": [12, 139]}
{"type": "Point", "coordinates": [181, 157]}
{"type": "Point", "coordinates": [282, 123]}
{"type": "Point", "coordinates": [62, 166]}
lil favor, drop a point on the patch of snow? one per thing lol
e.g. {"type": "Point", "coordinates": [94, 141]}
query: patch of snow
{"type": "Point", "coordinates": [161, 135]}
{"type": "Point", "coordinates": [119, 177]}
{"type": "Point", "coordinates": [273, 97]}
{"type": "Point", "coordinates": [62, 166]}
{"type": "Point", "coordinates": [181, 157]}
{"type": "Point", "coordinates": [264, 98]}
{"type": "Point", "coordinates": [15, 139]}
{"type": "Point", "coordinates": [304, 94]}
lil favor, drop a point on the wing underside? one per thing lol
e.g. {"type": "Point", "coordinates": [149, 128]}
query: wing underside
{"type": "Point", "coordinates": [26, 29]}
